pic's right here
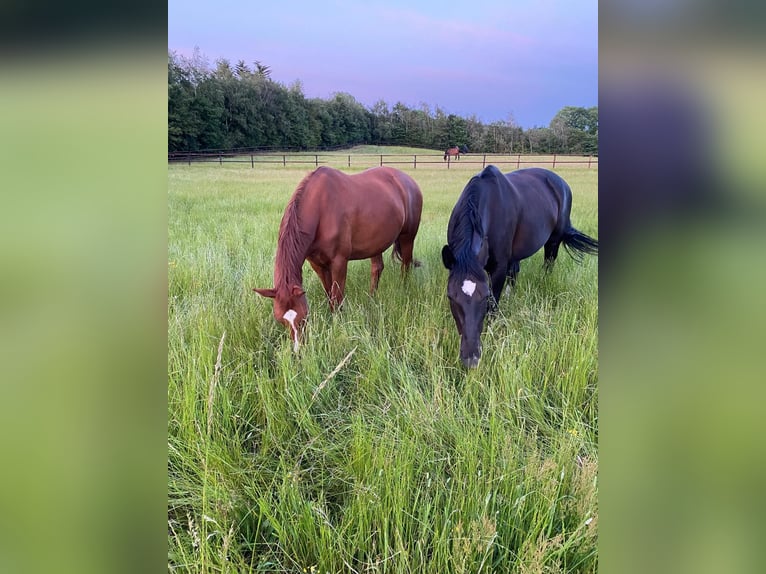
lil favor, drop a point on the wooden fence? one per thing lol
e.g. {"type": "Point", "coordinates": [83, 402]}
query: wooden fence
{"type": "Point", "coordinates": [362, 160]}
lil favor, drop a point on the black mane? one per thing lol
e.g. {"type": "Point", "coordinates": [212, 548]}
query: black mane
{"type": "Point", "coordinates": [467, 223]}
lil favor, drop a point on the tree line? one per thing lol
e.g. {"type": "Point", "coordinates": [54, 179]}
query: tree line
{"type": "Point", "coordinates": [230, 106]}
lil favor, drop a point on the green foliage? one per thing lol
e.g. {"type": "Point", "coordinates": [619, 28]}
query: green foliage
{"type": "Point", "coordinates": [581, 119]}
{"type": "Point", "coordinates": [576, 129]}
{"type": "Point", "coordinates": [372, 449]}
{"type": "Point", "coordinates": [240, 106]}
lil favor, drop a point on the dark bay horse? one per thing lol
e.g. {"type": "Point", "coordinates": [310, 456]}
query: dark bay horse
{"type": "Point", "coordinates": [332, 218]}
{"type": "Point", "coordinates": [452, 152]}
{"type": "Point", "coordinates": [500, 219]}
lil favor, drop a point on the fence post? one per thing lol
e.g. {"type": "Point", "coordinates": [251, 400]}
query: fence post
{"type": "Point", "coordinates": [349, 160]}
{"type": "Point", "coordinates": [415, 162]}
{"type": "Point", "coordinates": [284, 160]}
{"type": "Point", "coordinates": [484, 162]}
{"type": "Point", "coordinates": [188, 156]}
{"type": "Point", "coordinates": [381, 160]}
{"type": "Point", "coordinates": [518, 161]}
{"type": "Point", "coordinates": [449, 160]}
{"type": "Point", "coordinates": [252, 163]}
{"type": "Point", "coordinates": [554, 161]}
{"type": "Point", "coordinates": [590, 157]}
{"type": "Point", "coordinates": [220, 159]}
{"type": "Point", "coordinates": [316, 160]}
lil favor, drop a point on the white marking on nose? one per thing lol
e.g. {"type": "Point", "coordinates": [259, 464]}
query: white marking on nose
{"type": "Point", "coordinates": [469, 287]}
{"type": "Point", "coordinates": [290, 316]}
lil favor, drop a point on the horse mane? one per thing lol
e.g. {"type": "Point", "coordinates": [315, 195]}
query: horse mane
{"type": "Point", "coordinates": [292, 242]}
{"type": "Point", "coordinates": [467, 222]}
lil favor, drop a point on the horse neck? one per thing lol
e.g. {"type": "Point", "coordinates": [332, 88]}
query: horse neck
{"type": "Point", "coordinates": [471, 219]}
{"type": "Point", "coordinates": [296, 234]}
{"type": "Point", "coordinates": [469, 226]}
{"type": "Point", "coordinates": [287, 273]}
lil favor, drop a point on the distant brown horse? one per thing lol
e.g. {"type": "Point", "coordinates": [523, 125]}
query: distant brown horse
{"type": "Point", "coordinates": [453, 151]}
{"type": "Point", "coordinates": [332, 218]}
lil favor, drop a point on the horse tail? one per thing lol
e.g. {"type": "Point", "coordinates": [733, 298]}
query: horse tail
{"type": "Point", "coordinates": [396, 254]}
{"type": "Point", "coordinates": [577, 243]}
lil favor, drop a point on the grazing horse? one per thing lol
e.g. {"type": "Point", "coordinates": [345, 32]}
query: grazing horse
{"type": "Point", "coordinates": [332, 218]}
{"type": "Point", "coordinates": [500, 219]}
{"type": "Point", "coordinates": [453, 152]}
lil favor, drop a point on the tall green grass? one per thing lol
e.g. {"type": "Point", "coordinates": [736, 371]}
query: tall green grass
{"type": "Point", "coordinates": [372, 449]}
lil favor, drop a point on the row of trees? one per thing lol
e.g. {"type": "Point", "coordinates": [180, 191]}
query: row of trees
{"type": "Point", "coordinates": [239, 106]}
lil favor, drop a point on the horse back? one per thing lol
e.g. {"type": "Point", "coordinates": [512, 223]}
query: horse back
{"type": "Point", "coordinates": [518, 211]}
{"type": "Point", "coordinates": [411, 198]}
{"type": "Point", "coordinates": [542, 193]}
{"type": "Point", "coordinates": [544, 201]}
{"type": "Point", "coordinates": [362, 213]}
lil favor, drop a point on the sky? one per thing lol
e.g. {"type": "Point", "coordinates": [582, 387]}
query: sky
{"type": "Point", "coordinates": [508, 60]}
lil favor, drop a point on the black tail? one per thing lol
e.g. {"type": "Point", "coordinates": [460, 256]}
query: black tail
{"type": "Point", "coordinates": [396, 254]}
{"type": "Point", "coordinates": [577, 243]}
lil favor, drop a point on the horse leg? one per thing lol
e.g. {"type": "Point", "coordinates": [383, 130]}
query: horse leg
{"type": "Point", "coordinates": [513, 271]}
{"type": "Point", "coordinates": [497, 278]}
{"type": "Point", "coordinates": [406, 247]}
{"type": "Point", "coordinates": [376, 268]}
{"type": "Point", "coordinates": [324, 276]}
{"type": "Point", "coordinates": [551, 252]}
{"type": "Point", "coordinates": [339, 268]}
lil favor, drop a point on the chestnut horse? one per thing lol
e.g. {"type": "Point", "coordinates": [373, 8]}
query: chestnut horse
{"type": "Point", "coordinates": [332, 218]}
{"type": "Point", "coordinates": [453, 152]}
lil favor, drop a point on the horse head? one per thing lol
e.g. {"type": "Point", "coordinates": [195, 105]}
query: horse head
{"type": "Point", "coordinates": [291, 308]}
{"type": "Point", "coordinates": [469, 293]}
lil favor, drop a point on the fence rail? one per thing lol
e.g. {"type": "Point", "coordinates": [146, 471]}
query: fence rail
{"type": "Point", "coordinates": [362, 160]}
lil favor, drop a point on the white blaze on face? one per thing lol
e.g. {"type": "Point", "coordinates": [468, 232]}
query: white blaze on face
{"type": "Point", "coordinates": [469, 287]}
{"type": "Point", "coordinates": [290, 316]}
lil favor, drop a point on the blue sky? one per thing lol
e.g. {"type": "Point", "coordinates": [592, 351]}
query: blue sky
{"type": "Point", "coordinates": [491, 58]}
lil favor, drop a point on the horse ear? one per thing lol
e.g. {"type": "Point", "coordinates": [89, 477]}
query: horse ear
{"type": "Point", "coordinates": [297, 291]}
{"type": "Point", "coordinates": [447, 257]}
{"type": "Point", "coordinates": [483, 255]}
{"type": "Point", "coordinates": [270, 293]}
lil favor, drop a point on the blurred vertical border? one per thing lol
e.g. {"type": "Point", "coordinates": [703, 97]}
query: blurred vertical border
{"type": "Point", "coordinates": [83, 140]}
{"type": "Point", "coordinates": [683, 277]}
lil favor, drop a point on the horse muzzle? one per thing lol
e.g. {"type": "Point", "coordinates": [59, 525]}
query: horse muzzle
{"type": "Point", "coordinates": [471, 359]}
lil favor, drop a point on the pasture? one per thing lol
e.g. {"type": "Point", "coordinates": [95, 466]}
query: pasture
{"type": "Point", "coordinates": [372, 449]}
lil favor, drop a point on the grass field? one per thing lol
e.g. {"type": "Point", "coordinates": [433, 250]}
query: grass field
{"type": "Point", "coordinates": [372, 450]}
